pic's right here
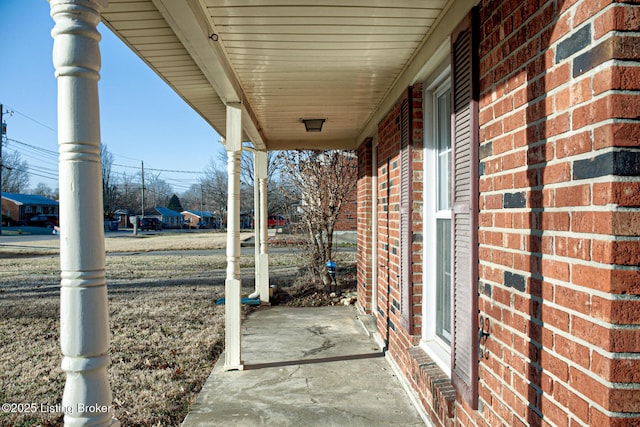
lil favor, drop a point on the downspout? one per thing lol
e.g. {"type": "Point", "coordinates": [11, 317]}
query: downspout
{"type": "Point", "coordinates": [374, 226]}
{"type": "Point", "coordinates": [386, 339]}
{"type": "Point", "coordinates": [256, 222]}
{"type": "Point", "coordinates": [263, 282]}
{"type": "Point", "coordinates": [260, 220]}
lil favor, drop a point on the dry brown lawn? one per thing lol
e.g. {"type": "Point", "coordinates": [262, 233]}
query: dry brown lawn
{"type": "Point", "coordinates": [166, 331]}
{"type": "Point", "coordinates": [143, 242]}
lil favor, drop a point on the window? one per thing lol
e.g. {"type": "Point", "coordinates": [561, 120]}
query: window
{"type": "Point", "coordinates": [442, 116]}
{"type": "Point", "coordinates": [436, 339]}
{"type": "Point", "coordinates": [450, 300]}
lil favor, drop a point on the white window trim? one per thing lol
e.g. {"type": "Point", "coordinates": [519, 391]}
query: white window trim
{"type": "Point", "coordinates": [435, 347]}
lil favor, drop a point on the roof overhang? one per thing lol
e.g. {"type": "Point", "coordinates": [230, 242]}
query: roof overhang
{"type": "Point", "coordinates": [345, 61]}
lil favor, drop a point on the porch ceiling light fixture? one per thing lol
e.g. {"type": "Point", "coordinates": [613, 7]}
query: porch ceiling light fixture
{"type": "Point", "coordinates": [313, 125]}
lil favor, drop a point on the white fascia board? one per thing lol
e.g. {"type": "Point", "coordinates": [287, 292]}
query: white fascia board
{"type": "Point", "coordinates": [190, 24]}
{"type": "Point", "coordinates": [251, 130]}
{"type": "Point", "coordinates": [193, 32]}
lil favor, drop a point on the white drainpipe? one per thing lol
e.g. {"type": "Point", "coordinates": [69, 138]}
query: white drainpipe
{"type": "Point", "coordinates": [263, 258]}
{"type": "Point", "coordinates": [261, 231]}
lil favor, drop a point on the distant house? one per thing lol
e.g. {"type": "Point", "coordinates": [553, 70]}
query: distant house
{"type": "Point", "coordinates": [168, 217]}
{"type": "Point", "coordinates": [246, 220]}
{"type": "Point", "coordinates": [21, 207]}
{"type": "Point", "coordinates": [124, 217]}
{"type": "Point", "coordinates": [206, 219]}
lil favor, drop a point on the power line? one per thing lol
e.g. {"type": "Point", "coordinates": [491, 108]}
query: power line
{"type": "Point", "coordinates": [160, 170]}
{"type": "Point", "coordinates": [27, 172]}
{"type": "Point", "coordinates": [125, 157]}
{"type": "Point", "coordinates": [117, 155]}
{"type": "Point", "coordinates": [53, 155]}
{"type": "Point", "coordinates": [13, 110]}
{"type": "Point", "coordinates": [50, 158]}
{"type": "Point", "coordinates": [44, 150]}
{"type": "Point", "coordinates": [37, 157]}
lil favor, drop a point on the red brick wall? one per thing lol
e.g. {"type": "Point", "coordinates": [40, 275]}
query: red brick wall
{"type": "Point", "coordinates": [559, 231]}
{"type": "Point", "coordinates": [417, 180]}
{"type": "Point", "coordinates": [388, 199]}
{"type": "Point", "coordinates": [388, 249]}
{"type": "Point", "coordinates": [11, 209]}
{"type": "Point", "coordinates": [559, 220]}
{"type": "Point", "coordinates": [364, 261]}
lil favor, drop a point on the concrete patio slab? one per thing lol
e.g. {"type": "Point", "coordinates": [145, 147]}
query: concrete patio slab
{"type": "Point", "coordinates": [305, 367]}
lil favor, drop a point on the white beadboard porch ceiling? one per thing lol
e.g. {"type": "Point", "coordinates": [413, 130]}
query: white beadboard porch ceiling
{"type": "Point", "coordinates": [284, 60]}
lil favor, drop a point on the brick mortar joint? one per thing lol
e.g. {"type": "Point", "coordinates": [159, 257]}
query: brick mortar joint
{"type": "Point", "coordinates": [559, 88]}
{"type": "Point", "coordinates": [579, 393]}
{"type": "Point", "coordinates": [523, 399]}
{"type": "Point", "coordinates": [439, 384]}
{"type": "Point", "coordinates": [571, 312]}
{"type": "Point", "coordinates": [605, 266]}
{"type": "Point", "coordinates": [570, 337]}
{"type": "Point", "coordinates": [592, 292]}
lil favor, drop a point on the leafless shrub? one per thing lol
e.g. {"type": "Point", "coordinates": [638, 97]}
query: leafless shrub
{"type": "Point", "coordinates": [324, 180]}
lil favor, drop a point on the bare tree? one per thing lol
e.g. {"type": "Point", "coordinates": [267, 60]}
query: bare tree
{"type": "Point", "coordinates": [15, 173]}
{"type": "Point", "coordinates": [157, 190]}
{"type": "Point", "coordinates": [129, 190]}
{"type": "Point", "coordinates": [325, 181]}
{"type": "Point", "coordinates": [44, 190]}
{"type": "Point", "coordinates": [276, 202]}
{"type": "Point", "coordinates": [274, 166]}
{"type": "Point", "coordinates": [110, 192]}
{"type": "Point", "coordinates": [214, 188]}
{"type": "Point", "coordinates": [190, 199]}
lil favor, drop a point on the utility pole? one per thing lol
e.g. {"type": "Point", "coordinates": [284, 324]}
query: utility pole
{"type": "Point", "coordinates": [142, 189]}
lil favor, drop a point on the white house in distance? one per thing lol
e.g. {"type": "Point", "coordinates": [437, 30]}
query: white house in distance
{"type": "Point", "coordinates": [498, 207]}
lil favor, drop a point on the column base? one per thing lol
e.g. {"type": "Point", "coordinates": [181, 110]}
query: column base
{"type": "Point", "coordinates": [263, 278]}
{"type": "Point", "coordinates": [233, 367]}
{"type": "Point", "coordinates": [233, 320]}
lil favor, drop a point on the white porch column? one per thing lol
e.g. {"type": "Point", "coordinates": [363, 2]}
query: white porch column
{"type": "Point", "coordinates": [84, 314]}
{"type": "Point", "coordinates": [263, 258]}
{"type": "Point", "coordinates": [232, 288]}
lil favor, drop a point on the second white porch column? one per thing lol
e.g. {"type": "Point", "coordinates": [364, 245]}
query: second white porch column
{"type": "Point", "coordinates": [256, 224]}
{"type": "Point", "coordinates": [233, 285]}
{"type": "Point", "coordinates": [263, 258]}
{"type": "Point", "coordinates": [84, 314]}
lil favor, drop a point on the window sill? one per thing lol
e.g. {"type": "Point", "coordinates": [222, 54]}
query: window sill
{"type": "Point", "coordinates": [434, 386]}
{"type": "Point", "coordinates": [439, 353]}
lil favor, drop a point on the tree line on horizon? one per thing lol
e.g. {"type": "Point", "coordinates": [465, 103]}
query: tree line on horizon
{"type": "Point", "coordinates": [308, 187]}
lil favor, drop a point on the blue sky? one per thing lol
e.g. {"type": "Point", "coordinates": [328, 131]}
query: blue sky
{"type": "Point", "coordinates": [142, 119]}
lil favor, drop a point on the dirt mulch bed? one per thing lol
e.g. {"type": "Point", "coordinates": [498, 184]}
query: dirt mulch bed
{"type": "Point", "coordinates": [303, 293]}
